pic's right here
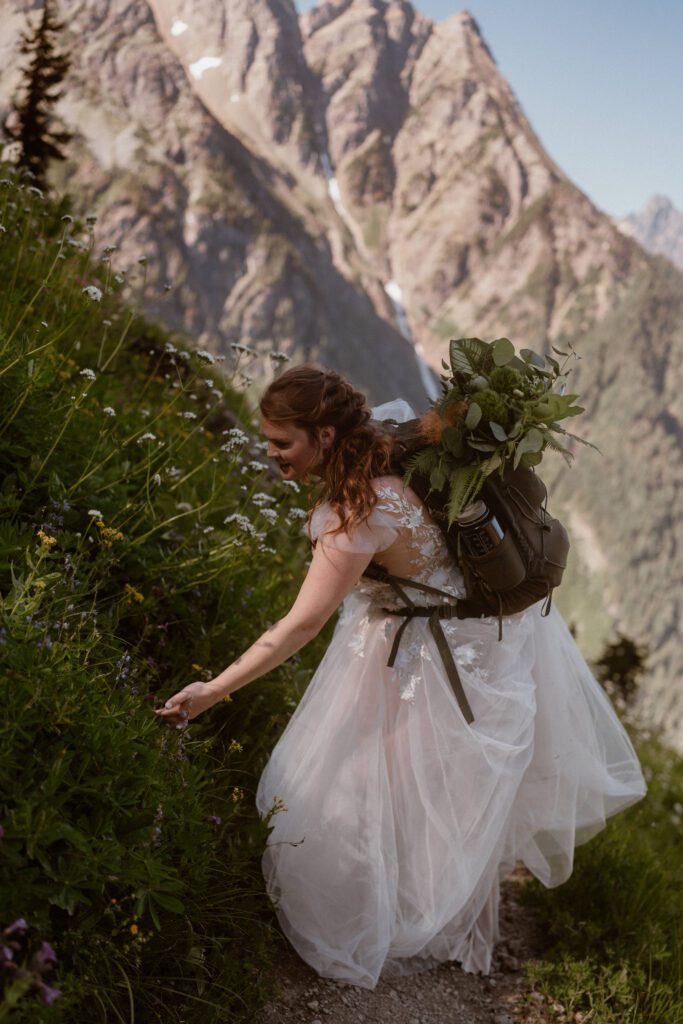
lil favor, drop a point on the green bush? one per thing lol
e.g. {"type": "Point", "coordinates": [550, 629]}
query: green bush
{"type": "Point", "coordinates": [143, 544]}
{"type": "Point", "coordinates": [614, 927]}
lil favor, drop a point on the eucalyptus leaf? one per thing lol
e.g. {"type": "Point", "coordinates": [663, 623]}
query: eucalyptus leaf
{"type": "Point", "coordinates": [503, 351]}
{"type": "Point", "coordinates": [559, 351]}
{"type": "Point", "coordinates": [482, 446]}
{"type": "Point", "coordinates": [479, 382]}
{"type": "Point", "coordinates": [529, 356]}
{"type": "Point", "coordinates": [498, 431]}
{"type": "Point", "coordinates": [473, 416]}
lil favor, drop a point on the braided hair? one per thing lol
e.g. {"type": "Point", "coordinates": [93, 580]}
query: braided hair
{"type": "Point", "coordinates": [309, 397]}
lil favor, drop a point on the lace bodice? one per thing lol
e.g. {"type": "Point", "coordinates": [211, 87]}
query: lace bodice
{"type": "Point", "coordinates": [404, 539]}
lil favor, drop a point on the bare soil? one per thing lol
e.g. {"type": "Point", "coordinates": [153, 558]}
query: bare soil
{"type": "Point", "coordinates": [444, 995]}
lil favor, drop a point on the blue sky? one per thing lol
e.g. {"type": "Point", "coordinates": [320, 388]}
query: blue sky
{"type": "Point", "coordinates": [601, 82]}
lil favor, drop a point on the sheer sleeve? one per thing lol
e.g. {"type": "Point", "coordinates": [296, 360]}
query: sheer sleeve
{"type": "Point", "coordinates": [376, 534]}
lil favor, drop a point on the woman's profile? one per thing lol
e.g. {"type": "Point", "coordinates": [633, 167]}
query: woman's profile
{"type": "Point", "coordinates": [400, 818]}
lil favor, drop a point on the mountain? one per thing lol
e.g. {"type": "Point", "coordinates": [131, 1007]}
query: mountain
{"type": "Point", "coordinates": [358, 185]}
{"type": "Point", "coordinates": [658, 227]}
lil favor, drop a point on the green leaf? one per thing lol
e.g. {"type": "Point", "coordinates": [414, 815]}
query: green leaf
{"type": "Point", "coordinates": [437, 478]}
{"type": "Point", "coordinates": [482, 446]}
{"type": "Point", "coordinates": [503, 351]}
{"type": "Point", "coordinates": [479, 382]}
{"type": "Point", "coordinates": [559, 351]}
{"type": "Point", "coordinates": [461, 486]}
{"type": "Point", "coordinates": [445, 364]}
{"type": "Point", "coordinates": [498, 431]}
{"type": "Point", "coordinates": [531, 458]}
{"type": "Point", "coordinates": [167, 901]}
{"type": "Point", "coordinates": [468, 354]}
{"type": "Point", "coordinates": [473, 416]}
{"type": "Point", "coordinates": [452, 441]}
{"type": "Point", "coordinates": [529, 356]}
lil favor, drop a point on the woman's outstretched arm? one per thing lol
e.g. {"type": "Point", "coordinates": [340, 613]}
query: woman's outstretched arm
{"type": "Point", "coordinates": [331, 575]}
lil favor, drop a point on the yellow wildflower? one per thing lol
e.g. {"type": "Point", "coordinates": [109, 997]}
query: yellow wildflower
{"type": "Point", "coordinates": [237, 794]}
{"type": "Point", "coordinates": [131, 592]}
{"type": "Point", "coordinates": [114, 901]}
{"type": "Point", "coordinates": [197, 668]}
{"type": "Point", "coordinates": [41, 584]}
{"type": "Point", "coordinates": [235, 747]}
{"type": "Point", "coordinates": [108, 534]}
{"type": "Point", "coordinates": [227, 697]}
{"type": "Point", "coordinates": [46, 540]}
{"type": "Point", "coordinates": [134, 929]}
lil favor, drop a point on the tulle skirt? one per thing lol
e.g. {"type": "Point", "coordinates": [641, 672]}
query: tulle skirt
{"type": "Point", "coordinates": [400, 819]}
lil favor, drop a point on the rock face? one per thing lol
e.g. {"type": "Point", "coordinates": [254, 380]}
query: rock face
{"type": "Point", "coordinates": [658, 227]}
{"type": "Point", "coordinates": [360, 182]}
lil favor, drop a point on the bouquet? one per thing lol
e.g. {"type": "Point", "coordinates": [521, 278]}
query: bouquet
{"type": "Point", "coordinates": [498, 409]}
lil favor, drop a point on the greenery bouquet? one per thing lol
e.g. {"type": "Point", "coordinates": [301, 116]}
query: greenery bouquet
{"type": "Point", "coordinates": [498, 409]}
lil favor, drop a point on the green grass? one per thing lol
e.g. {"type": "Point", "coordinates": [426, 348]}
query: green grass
{"type": "Point", "coordinates": [615, 927]}
{"type": "Point", "coordinates": [135, 557]}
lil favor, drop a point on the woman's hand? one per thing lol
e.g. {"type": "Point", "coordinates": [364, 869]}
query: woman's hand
{"type": "Point", "coordinates": [188, 703]}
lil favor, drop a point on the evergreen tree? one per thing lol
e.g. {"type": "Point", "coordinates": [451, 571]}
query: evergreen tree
{"type": "Point", "coordinates": [622, 664]}
{"type": "Point", "coordinates": [31, 117]}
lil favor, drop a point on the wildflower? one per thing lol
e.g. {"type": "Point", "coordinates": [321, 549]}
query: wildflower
{"type": "Point", "coordinates": [118, 278]}
{"type": "Point", "coordinates": [109, 411]}
{"type": "Point", "coordinates": [157, 479]}
{"type": "Point", "coordinates": [114, 901]}
{"type": "Point", "coordinates": [95, 512]}
{"type": "Point", "coordinates": [188, 415]}
{"type": "Point", "coordinates": [170, 348]}
{"type": "Point", "coordinates": [17, 926]}
{"type": "Point", "coordinates": [148, 436]}
{"type": "Point", "coordinates": [69, 219]}
{"type": "Point", "coordinates": [235, 747]}
{"type": "Point", "coordinates": [268, 550]}
{"type": "Point", "coordinates": [296, 513]}
{"type": "Point", "coordinates": [48, 994]}
{"type": "Point", "coordinates": [236, 794]}
{"type": "Point", "coordinates": [108, 249]}
{"type": "Point", "coordinates": [3, 229]}
{"type": "Point", "coordinates": [278, 804]}
{"type": "Point", "coordinates": [91, 218]}
{"type": "Point", "coordinates": [214, 820]}
{"type": "Point", "coordinates": [256, 466]}
{"type": "Point", "coordinates": [134, 929]}
{"type": "Point", "coordinates": [46, 540]}
{"type": "Point", "coordinates": [92, 292]}
{"type": "Point", "coordinates": [44, 958]}
{"type": "Point", "coordinates": [167, 287]}
{"type": "Point", "coordinates": [208, 529]}
{"type": "Point", "coordinates": [172, 471]}
{"type": "Point", "coordinates": [244, 524]}
{"type": "Point", "coordinates": [292, 484]}
{"type": "Point", "coordinates": [260, 498]}
{"type": "Point", "coordinates": [43, 323]}
{"type": "Point", "coordinates": [142, 261]}
{"type": "Point", "coordinates": [41, 584]}
{"type": "Point", "coordinates": [239, 347]}
{"type": "Point", "coordinates": [183, 506]}
{"type": "Point", "coordinates": [208, 357]}
{"type": "Point", "coordinates": [261, 446]}
{"type": "Point", "coordinates": [246, 379]}
{"type": "Point", "coordinates": [227, 698]}
{"type": "Point", "coordinates": [131, 592]}
{"type": "Point", "coordinates": [88, 374]}
{"type": "Point", "coordinates": [107, 323]}
{"type": "Point", "coordinates": [270, 514]}
{"type": "Point", "coordinates": [278, 357]}
{"type": "Point", "coordinates": [36, 191]}
{"type": "Point", "coordinates": [108, 534]}
{"type": "Point", "coordinates": [208, 382]}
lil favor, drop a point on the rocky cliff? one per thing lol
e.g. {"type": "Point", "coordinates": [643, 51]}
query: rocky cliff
{"type": "Point", "coordinates": [358, 185]}
{"type": "Point", "coordinates": [658, 227]}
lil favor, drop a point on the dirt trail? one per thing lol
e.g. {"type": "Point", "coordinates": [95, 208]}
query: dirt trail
{"type": "Point", "coordinates": [444, 995]}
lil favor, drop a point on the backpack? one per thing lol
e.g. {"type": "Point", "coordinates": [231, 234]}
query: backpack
{"type": "Point", "coordinates": [530, 560]}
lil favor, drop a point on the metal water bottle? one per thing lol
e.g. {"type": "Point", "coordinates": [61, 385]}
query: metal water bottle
{"type": "Point", "coordinates": [480, 531]}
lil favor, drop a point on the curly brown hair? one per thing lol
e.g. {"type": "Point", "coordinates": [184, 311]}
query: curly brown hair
{"type": "Point", "coordinates": [309, 396]}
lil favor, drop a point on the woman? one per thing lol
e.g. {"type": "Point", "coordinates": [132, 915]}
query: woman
{"type": "Point", "coordinates": [400, 817]}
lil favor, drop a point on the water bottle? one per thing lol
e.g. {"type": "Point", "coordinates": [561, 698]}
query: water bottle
{"type": "Point", "coordinates": [480, 531]}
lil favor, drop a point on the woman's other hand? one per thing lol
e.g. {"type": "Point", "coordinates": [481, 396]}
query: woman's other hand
{"type": "Point", "coordinates": [188, 703]}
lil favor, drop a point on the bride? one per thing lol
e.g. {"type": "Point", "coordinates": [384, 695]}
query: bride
{"type": "Point", "coordinates": [397, 815]}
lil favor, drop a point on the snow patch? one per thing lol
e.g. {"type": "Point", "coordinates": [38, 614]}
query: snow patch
{"type": "Point", "coordinates": [198, 68]}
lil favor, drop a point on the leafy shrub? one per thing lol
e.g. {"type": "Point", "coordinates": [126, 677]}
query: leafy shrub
{"type": "Point", "coordinates": [143, 543]}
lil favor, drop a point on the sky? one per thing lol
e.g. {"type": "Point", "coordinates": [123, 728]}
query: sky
{"type": "Point", "coordinates": [601, 82]}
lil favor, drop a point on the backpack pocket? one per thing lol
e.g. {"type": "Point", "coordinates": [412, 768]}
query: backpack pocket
{"type": "Point", "coordinates": [501, 568]}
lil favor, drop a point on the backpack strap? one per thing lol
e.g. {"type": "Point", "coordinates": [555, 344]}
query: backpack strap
{"type": "Point", "coordinates": [434, 613]}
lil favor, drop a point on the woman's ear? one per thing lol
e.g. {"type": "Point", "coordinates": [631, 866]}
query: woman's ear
{"type": "Point", "coordinates": [327, 436]}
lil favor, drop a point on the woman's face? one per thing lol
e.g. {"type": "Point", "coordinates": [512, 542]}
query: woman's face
{"type": "Point", "coordinates": [292, 450]}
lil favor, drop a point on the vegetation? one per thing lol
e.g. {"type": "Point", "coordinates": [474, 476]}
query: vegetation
{"type": "Point", "coordinates": [143, 543]}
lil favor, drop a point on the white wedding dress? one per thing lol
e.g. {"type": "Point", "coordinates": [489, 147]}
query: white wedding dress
{"type": "Point", "coordinates": [401, 818]}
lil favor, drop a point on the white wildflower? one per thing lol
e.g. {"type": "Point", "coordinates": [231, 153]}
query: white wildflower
{"type": "Point", "coordinates": [108, 249]}
{"type": "Point", "coordinates": [254, 466]}
{"type": "Point", "coordinates": [92, 292]}
{"type": "Point", "coordinates": [246, 379]}
{"type": "Point", "coordinates": [44, 323]}
{"type": "Point", "coordinates": [236, 434]}
{"type": "Point", "coordinates": [209, 383]}
{"type": "Point", "coordinates": [261, 446]}
{"type": "Point", "coordinates": [292, 484]}
{"type": "Point", "coordinates": [269, 551]}
{"type": "Point", "coordinates": [157, 479]}
{"type": "Point", "coordinates": [172, 471]}
{"type": "Point", "coordinates": [208, 529]}
{"type": "Point", "coordinates": [278, 357]}
{"type": "Point", "coordinates": [68, 218]}
{"type": "Point", "coordinates": [244, 524]}
{"type": "Point", "coordinates": [296, 513]}
{"type": "Point", "coordinates": [170, 347]}
{"type": "Point", "coordinates": [260, 498]}
{"type": "Point", "coordinates": [95, 512]}
{"type": "Point", "coordinates": [3, 229]}
{"type": "Point", "coordinates": [239, 347]}
{"type": "Point", "coordinates": [270, 514]}
{"type": "Point", "coordinates": [118, 278]}
{"type": "Point", "coordinates": [36, 191]}
{"type": "Point", "coordinates": [89, 374]}
{"type": "Point", "coordinates": [91, 218]}
{"type": "Point", "coordinates": [208, 357]}
{"type": "Point", "coordinates": [149, 436]}
{"type": "Point", "coordinates": [220, 359]}
{"type": "Point", "coordinates": [184, 355]}
{"type": "Point", "coordinates": [183, 506]}
{"type": "Point", "coordinates": [142, 261]}
{"type": "Point", "coordinates": [76, 244]}
{"type": "Point", "coordinates": [109, 411]}
{"type": "Point", "coordinates": [188, 415]}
